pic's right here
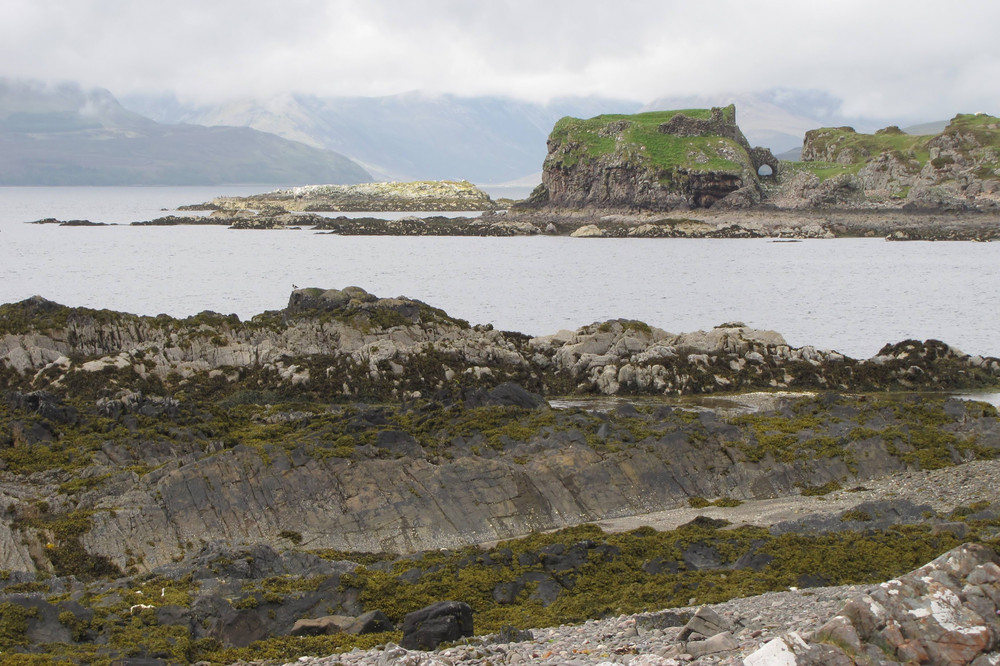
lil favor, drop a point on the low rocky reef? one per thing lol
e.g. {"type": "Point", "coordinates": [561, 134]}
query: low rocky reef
{"type": "Point", "coordinates": [348, 344]}
{"type": "Point", "coordinates": [772, 223]}
{"type": "Point", "coordinates": [443, 195]}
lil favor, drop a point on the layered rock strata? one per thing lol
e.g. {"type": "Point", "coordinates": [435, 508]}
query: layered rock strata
{"type": "Point", "coordinates": [457, 459]}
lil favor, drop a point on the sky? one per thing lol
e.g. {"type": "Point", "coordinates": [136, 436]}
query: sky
{"type": "Point", "coordinates": [916, 59]}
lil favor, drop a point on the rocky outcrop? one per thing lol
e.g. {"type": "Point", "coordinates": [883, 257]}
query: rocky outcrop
{"type": "Point", "coordinates": [443, 195]}
{"type": "Point", "coordinates": [658, 161]}
{"type": "Point", "coordinates": [350, 343]}
{"type": "Point", "coordinates": [143, 436]}
{"type": "Point", "coordinates": [662, 161]}
{"type": "Point", "coordinates": [946, 612]}
{"type": "Point", "coordinates": [957, 170]}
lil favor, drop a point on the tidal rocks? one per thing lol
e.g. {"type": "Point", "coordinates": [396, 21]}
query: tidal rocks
{"type": "Point", "coordinates": [428, 627]}
{"type": "Point", "coordinates": [351, 343]}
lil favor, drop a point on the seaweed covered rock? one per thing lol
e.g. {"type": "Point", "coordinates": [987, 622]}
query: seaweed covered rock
{"type": "Point", "coordinates": [428, 627]}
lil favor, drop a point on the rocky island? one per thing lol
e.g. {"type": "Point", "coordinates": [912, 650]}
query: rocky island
{"type": "Point", "coordinates": [440, 195]}
{"type": "Point", "coordinates": [680, 174]}
{"type": "Point", "coordinates": [318, 477]}
{"type": "Point", "coordinates": [619, 175]}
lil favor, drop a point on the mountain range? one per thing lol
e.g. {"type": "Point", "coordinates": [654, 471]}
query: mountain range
{"type": "Point", "coordinates": [65, 135]}
{"type": "Point", "coordinates": [411, 136]}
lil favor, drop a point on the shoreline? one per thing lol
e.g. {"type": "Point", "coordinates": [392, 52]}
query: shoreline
{"type": "Point", "coordinates": [775, 223]}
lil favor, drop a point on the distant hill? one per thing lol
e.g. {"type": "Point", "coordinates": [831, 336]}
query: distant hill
{"type": "Point", "coordinates": [65, 135]}
{"type": "Point", "coordinates": [411, 136]}
{"type": "Point", "coordinates": [924, 129]}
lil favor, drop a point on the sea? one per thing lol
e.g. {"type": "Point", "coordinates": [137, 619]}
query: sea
{"type": "Point", "coordinates": [849, 295]}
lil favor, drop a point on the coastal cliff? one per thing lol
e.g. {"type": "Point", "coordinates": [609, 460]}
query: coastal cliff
{"type": "Point", "coordinates": [658, 161]}
{"type": "Point", "coordinates": [699, 158]}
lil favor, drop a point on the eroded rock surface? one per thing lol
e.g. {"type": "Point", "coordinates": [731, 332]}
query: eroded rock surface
{"type": "Point", "coordinates": [945, 612]}
{"type": "Point", "coordinates": [352, 343]}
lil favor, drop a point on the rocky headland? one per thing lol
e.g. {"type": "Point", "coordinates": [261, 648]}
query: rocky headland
{"type": "Point", "coordinates": [210, 488]}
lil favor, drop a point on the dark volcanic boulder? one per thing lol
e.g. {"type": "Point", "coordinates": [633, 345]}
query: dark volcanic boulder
{"type": "Point", "coordinates": [504, 395]}
{"type": "Point", "coordinates": [428, 627]}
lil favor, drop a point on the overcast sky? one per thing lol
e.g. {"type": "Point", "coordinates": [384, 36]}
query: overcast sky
{"type": "Point", "coordinates": [916, 59]}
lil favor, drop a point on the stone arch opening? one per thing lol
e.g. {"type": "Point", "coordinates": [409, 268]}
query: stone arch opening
{"type": "Point", "coordinates": [761, 158]}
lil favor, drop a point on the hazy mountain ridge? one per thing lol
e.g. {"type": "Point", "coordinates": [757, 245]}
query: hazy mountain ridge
{"type": "Point", "coordinates": [159, 139]}
{"type": "Point", "coordinates": [410, 136]}
{"type": "Point", "coordinates": [483, 139]}
{"type": "Point", "coordinates": [66, 135]}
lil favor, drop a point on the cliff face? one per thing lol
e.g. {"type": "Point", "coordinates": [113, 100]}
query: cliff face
{"type": "Point", "coordinates": [700, 158]}
{"type": "Point", "coordinates": [958, 169]}
{"type": "Point", "coordinates": [660, 161]}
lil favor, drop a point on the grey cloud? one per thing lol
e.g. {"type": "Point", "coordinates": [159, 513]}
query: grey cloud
{"type": "Point", "coordinates": [917, 59]}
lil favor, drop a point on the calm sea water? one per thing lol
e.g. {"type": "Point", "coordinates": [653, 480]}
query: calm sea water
{"type": "Point", "coordinates": [852, 295]}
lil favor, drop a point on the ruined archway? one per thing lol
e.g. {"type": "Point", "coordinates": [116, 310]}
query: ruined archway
{"type": "Point", "coordinates": [762, 157]}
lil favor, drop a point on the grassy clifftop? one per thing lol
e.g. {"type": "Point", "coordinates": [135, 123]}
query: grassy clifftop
{"type": "Point", "coordinates": [975, 138]}
{"type": "Point", "coordinates": [689, 158]}
{"type": "Point", "coordinates": [640, 136]}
